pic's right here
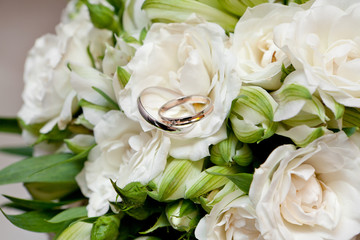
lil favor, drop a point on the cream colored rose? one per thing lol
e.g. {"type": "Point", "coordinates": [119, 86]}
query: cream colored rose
{"type": "Point", "coordinates": [259, 60]}
{"type": "Point", "coordinates": [233, 217]}
{"type": "Point", "coordinates": [311, 192]}
{"type": "Point", "coordinates": [189, 58]}
{"type": "Point", "coordinates": [124, 154]}
{"type": "Point", "coordinates": [48, 95]}
{"type": "Point", "coordinates": [324, 42]}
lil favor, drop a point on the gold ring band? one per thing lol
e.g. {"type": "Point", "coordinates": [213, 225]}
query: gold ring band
{"type": "Point", "coordinates": [174, 124]}
{"type": "Point", "coordinates": [188, 119]}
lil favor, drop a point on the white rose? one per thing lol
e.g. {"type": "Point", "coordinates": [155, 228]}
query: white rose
{"type": "Point", "coordinates": [259, 60]}
{"type": "Point", "coordinates": [309, 193]}
{"type": "Point", "coordinates": [324, 41]}
{"type": "Point", "coordinates": [48, 96]}
{"type": "Point", "coordinates": [188, 58]}
{"type": "Point", "coordinates": [232, 218]}
{"type": "Point", "coordinates": [124, 154]}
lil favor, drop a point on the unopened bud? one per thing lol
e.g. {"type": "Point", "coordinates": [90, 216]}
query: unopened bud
{"type": "Point", "coordinates": [183, 215]}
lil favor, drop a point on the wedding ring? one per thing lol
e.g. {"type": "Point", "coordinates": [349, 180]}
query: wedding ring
{"type": "Point", "coordinates": [192, 99]}
{"type": "Point", "coordinates": [174, 124]}
{"type": "Point", "coordinates": [148, 117]}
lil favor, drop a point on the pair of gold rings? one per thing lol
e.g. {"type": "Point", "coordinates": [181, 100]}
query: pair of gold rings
{"type": "Point", "coordinates": [200, 105]}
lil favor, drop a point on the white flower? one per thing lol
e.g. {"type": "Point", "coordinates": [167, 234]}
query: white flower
{"type": "Point", "coordinates": [124, 154]}
{"type": "Point", "coordinates": [188, 58]}
{"type": "Point", "coordinates": [48, 95]}
{"type": "Point", "coordinates": [309, 193]}
{"type": "Point", "coordinates": [232, 218]}
{"type": "Point", "coordinates": [259, 60]}
{"type": "Point", "coordinates": [324, 41]}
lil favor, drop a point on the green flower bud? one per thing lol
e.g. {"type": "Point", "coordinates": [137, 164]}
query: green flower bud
{"type": "Point", "coordinates": [229, 150]}
{"type": "Point", "coordinates": [297, 105]}
{"type": "Point", "coordinates": [302, 135]}
{"type": "Point", "coordinates": [206, 182]}
{"type": "Point", "coordinates": [172, 183]}
{"type": "Point", "coordinates": [238, 7]}
{"type": "Point", "coordinates": [102, 17]}
{"type": "Point", "coordinates": [252, 115]}
{"type": "Point", "coordinates": [179, 11]}
{"type": "Point", "coordinates": [106, 228]}
{"type": "Point", "coordinates": [216, 196]}
{"type": "Point", "coordinates": [78, 230]}
{"type": "Point", "coordinates": [183, 215]}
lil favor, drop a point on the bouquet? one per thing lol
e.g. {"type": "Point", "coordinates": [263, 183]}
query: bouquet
{"type": "Point", "coordinates": [184, 119]}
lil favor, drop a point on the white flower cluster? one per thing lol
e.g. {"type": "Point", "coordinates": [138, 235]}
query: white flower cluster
{"type": "Point", "coordinates": [310, 192]}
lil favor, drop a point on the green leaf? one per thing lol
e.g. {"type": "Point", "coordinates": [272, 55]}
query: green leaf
{"type": "Point", "coordinates": [142, 36]}
{"type": "Point", "coordinates": [162, 221]}
{"type": "Point", "coordinates": [69, 214]}
{"type": "Point", "coordinates": [91, 56]}
{"type": "Point", "coordinates": [50, 191]}
{"type": "Point", "coordinates": [350, 131]}
{"type": "Point", "coordinates": [117, 4]}
{"type": "Point", "coordinates": [83, 103]}
{"type": "Point", "coordinates": [22, 151]}
{"type": "Point", "coordinates": [123, 76]}
{"type": "Point", "coordinates": [9, 125]}
{"type": "Point", "coordinates": [55, 135]}
{"type": "Point", "coordinates": [36, 204]}
{"type": "Point", "coordinates": [50, 168]}
{"type": "Point", "coordinates": [35, 221]}
{"type": "Point", "coordinates": [286, 71]}
{"type": "Point", "coordinates": [107, 98]}
{"type": "Point", "coordinates": [241, 180]}
{"type": "Point", "coordinates": [133, 195]}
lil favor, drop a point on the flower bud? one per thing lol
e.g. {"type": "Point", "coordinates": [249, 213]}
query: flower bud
{"type": "Point", "coordinates": [183, 215]}
{"type": "Point", "coordinates": [206, 182]}
{"type": "Point", "coordinates": [78, 230]}
{"type": "Point", "coordinates": [102, 17]}
{"type": "Point", "coordinates": [106, 228]}
{"type": "Point", "coordinates": [238, 7]}
{"type": "Point", "coordinates": [252, 115]}
{"type": "Point", "coordinates": [179, 11]}
{"type": "Point", "coordinates": [172, 183]}
{"type": "Point", "coordinates": [229, 150]}
{"type": "Point", "coordinates": [216, 196]}
{"type": "Point", "coordinates": [302, 135]}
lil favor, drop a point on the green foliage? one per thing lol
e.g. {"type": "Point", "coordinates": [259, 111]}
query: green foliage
{"type": "Point", "coordinates": [36, 221]}
{"type": "Point", "coordinates": [35, 204]}
{"type": "Point", "coordinates": [286, 71]}
{"type": "Point", "coordinates": [123, 76]}
{"type": "Point", "coordinates": [69, 215]}
{"type": "Point", "coordinates": [10, 125]}
{"type": "Point", "coordinates": [112, 103]}
{"type": "Point", "coordinates": [22, 151]}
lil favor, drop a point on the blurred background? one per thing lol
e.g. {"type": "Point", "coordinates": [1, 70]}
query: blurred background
{"type": "Point", "coordinates": [21, 22]}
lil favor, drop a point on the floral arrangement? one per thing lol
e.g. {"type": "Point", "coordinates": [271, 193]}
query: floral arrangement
{"type": "Point", "coordinates": [184, 119]}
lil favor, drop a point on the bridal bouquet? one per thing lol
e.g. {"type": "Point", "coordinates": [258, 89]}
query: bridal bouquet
{"type": "Point", "coordinates": [192, 119]}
